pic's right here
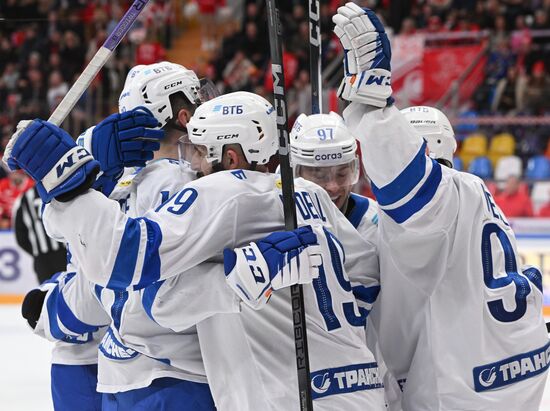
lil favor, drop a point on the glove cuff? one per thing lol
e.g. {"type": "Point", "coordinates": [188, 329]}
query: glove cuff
{"type": "Point", "coordinates": [371, 87]}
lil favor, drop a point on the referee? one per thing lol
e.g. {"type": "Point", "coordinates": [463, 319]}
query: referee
{"type": "Point", "coordinates": [49, 256]}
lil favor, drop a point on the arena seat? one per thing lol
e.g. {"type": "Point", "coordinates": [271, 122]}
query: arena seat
{"type": "Point", "coordinates": [501, 145]}
{"type": "Point", "coordinates": [538, 168]}
{"type": "Point", "coordinates": [540, 195]}
{"type": "Point", "coordinates": [508, 166]}
{"type": "Point", "coordinates": [481, 167]}
{"type": "Point", "coordinates": [475, 145]}
{"type": "Point", "coordinates": [457, 164]}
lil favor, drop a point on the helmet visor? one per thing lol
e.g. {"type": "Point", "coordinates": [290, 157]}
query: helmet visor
{"type": "Point", "coordinates": [207, 90]}
{"type": "Point", "coordinates": [194, 156]}
{"type": "Point", "coordinates": [342, 175]}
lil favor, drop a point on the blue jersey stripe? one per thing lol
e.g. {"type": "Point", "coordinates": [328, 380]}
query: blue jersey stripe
{"type": "Point", "coordinates": [70, 321]}
{"type": "Point", "coordinates": [125, 263]}
{"type": "Point", "coordinates": [366, 294]}
{"type": "Point", "coordinates": [148, 297]}
{"type": "Point", "coordinates": [405, 182]}
{"type": "Point", "coordinates": [359, 209]}
{"type": "Point", "coordinates": [420, 199]}
{"type": "Point", "coordinates": [118, 305]}
{"type": "Point", "coordinates": [55, 330]}
{"type": "Point", "coordinates": [151, 264]}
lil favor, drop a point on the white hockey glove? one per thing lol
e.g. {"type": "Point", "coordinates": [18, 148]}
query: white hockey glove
{"type": "Point", "coordinates": [367, 70]}
{"type": "Point", "coordinates": [280, 260]}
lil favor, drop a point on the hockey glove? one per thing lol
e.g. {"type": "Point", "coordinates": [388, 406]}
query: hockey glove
{"type": "Point", "coordinates": [280, 260]}
{"type": "Point", "coordinates": [50, 156]}
{"type": "Point", "coordinates": [31, 309]}
{"type": "Point", "coordinates": [367, 69]}
{"type": "Point", "coordinates": [121, 140]}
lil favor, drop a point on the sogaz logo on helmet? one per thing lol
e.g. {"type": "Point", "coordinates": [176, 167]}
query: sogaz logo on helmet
{"type": "Point", "coordinates": [329, 156]}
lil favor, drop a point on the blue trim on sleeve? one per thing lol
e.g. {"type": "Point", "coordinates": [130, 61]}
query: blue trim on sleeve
{"type": "Point", "coordinates": [150, 272]}
{"type": "Point", "coordinates": [360, 208]}
{"type": "Point", "coordinates": [117, 307]}
{"type": "Point", "coordinates": [70, 321]}
{"type": "Point", "coordinates": [55, 330]}
{"type": "Point", "coordinates": [128, 250]}
{"type": "Point", "coordinates": [405, 182]}
{"type": "Point", "coordinates": [148, 297]}
{"type": "Point", "coordinates": [366, 294]}
{"type": "Point", "coordinates": [420, 199]}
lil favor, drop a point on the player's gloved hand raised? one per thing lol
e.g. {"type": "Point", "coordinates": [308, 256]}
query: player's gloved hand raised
{"type": "Point", "coordinates": [280, 260]}
{"type": "Point", "coordinates": [367, 58]}
{"type": "Point", "coordinates": [121, 140]}
{"type": "Point", "coordinates": [49, 155]}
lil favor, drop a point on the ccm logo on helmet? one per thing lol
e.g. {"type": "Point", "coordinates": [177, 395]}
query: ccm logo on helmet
{"type": "Point", "coordinates": [227, 136]}
{"type": "Point", "coordinates": [332, 156]}
{"type": "Point", "coordinates": [172, 85]}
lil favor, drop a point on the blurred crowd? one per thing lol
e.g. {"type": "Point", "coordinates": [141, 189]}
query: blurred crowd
{"type": "Point", "coordinates": [44, 45]}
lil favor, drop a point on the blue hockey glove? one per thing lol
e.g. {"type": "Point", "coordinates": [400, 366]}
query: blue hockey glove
{"type": "Point", "coordinates": [125, 140]}
{"type": "Point", "coordinates": [121, 140]}
{"type": "Point", "coordinates": [367, 58]}
{"type": "Point", "coordinates": [50, 156]}
{"type": "Point", "coordinates": [280, 260]}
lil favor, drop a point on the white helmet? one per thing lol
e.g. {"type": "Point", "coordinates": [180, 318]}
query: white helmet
{"type": "Point", "coordinates": [236, 118]}
{"type": "Point", "coordinates": [323, 141]}
{"type": "Point", "coordinates": [151, 87]}
{"type": "Point", "coordinates": [435, 127]}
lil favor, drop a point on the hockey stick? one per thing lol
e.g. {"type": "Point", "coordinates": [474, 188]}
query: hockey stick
{"type": "Point", "coordinates": [287, 180]}
{"type": "Point", "coordinates": [97, 62]}
{"type": "Point", "coordinates": [315, 57]}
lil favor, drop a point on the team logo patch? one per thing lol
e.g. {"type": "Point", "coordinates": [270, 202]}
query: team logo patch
{"type": "Point", "coordinates": [511, 370]}
{"type": "Point", "coordinates": [341, 380]}
{"type": "Point", "coordinates": [112, 348]}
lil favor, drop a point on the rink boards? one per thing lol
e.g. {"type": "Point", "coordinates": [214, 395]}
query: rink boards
{"type": "Point", "coordinates": [17, 274]}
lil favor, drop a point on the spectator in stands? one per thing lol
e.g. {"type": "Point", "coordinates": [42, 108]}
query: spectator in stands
{"type": "Point", "coordinates": [150, 51]}
{"type": "Point", "coordinates": [514, 200]}
{"type": "Point", "coordinates": [508, 93]}
{"type": "Point", "coordinates": [57, 90]}
{"type": "Point", "coordinates": [11, 187]}
{"type": "Point", "coordinates": [72, 55]}
{"type": "Point", "coordinates": [238, 73]}
{"type": "Point", "coordinates": [537, 91]}
{"type": "Point", "coordinates": [408, 27]}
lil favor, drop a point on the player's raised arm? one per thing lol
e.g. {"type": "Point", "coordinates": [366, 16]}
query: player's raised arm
{"type": "Point", "coordinates": [394, 154]}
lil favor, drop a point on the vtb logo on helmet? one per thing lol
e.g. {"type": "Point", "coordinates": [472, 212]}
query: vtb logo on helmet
{"type": "Point", "coordinates": [151, 87]}
{"type": "Point", "coordinates": [236, 118]}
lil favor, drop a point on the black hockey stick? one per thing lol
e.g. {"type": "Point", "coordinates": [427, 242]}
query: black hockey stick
{"type": "Point", "coordinates": [315, 57]}
{"type": "Point", "coordinates": [287, 180]}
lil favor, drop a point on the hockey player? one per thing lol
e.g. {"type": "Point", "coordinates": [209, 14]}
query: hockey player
{"type": "Point", "coordinates": [216, 211]}
{"type": "Point", "coordinates": [171, 92]}
{"type": "Point", "coordinates": [325, 152]}
{"type": "Point", "coordinates": [460, 324]}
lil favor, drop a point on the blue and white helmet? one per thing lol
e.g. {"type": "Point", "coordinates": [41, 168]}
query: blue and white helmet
{"type": "Point", "coordinates": [151, 86]}
{"type": "Point", "coordinates": [236, 118]}
{"type": "Point", "coordinates": [323, 141]}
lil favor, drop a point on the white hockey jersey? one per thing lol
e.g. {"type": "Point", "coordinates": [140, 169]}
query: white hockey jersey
{"type": "Point", "coordinates": [459, 323]}
{"type": "Point", "coordinates": [122, 363]}
{"type": "Point", "coordinates": [194, 226]}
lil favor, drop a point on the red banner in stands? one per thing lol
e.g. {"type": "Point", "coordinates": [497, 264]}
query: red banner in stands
{"type": "Point", "coordinates": [443, 65]}
{"type": "Point", "coordinates": [422, 75]}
